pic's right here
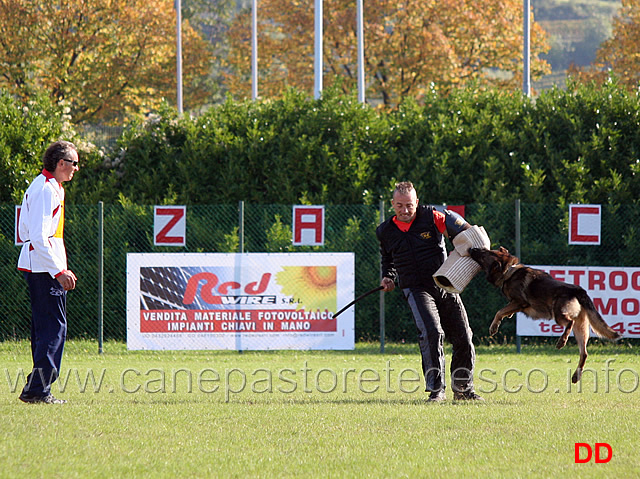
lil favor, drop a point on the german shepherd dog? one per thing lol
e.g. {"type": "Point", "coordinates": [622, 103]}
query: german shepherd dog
{"type": "Point", "coordinates": [540, 296]}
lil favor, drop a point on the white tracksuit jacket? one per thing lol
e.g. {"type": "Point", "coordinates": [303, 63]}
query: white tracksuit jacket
{"type": "Point", "coordinates": [41, 227]}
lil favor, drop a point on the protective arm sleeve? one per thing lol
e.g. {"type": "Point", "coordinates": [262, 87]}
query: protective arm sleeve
{"type": "Point", "coordinates": [454, 223]}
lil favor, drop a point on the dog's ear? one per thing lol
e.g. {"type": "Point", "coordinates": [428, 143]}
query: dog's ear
{"type": "Point", "coordinates": [503, 250]}
{"type": "Point", "coordinates": [494, 271]}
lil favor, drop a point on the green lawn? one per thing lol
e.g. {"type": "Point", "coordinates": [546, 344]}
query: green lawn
{"type": "Point", "coordinates": [318, 414]}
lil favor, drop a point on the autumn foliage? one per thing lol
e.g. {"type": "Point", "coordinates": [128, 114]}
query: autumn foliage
{"type": "Point", "coordinates": [617, 55]}
{"type": "Point", "coordinates": [106, 59]}
{"type": "Point", "coordinates": [408, 46]}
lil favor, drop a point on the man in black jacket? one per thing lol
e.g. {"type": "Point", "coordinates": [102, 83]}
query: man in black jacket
{"type": "Point", "coordinates": [412, 249]}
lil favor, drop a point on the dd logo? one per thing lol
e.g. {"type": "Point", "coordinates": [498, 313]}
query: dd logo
{"type": "Point", "coordinates": [589, 452]}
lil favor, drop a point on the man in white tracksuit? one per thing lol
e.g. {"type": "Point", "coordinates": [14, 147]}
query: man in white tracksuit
{"type": "Point", "coordinates": [43, 261]}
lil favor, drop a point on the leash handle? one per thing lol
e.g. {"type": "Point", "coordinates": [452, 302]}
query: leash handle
{"type": "Point", "coordinates": [379, 288]}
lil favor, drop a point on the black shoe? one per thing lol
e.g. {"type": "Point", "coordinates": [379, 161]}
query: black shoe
{"type": "Point", "coordinates": [437, 396]}
{"type": "Point", "coordinates": [466, 396]}
{"type": "Point", "coordinates": [48, 399]}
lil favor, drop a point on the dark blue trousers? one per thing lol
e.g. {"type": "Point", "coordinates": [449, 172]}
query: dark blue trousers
{"type": "Point", "coordinates": [439, 315]}
{"type": "Point", "coordinates": [48, 331]}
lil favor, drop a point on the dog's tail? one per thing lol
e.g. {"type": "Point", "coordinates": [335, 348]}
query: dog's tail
{"type": "Point", "coordinates": [599, 326]}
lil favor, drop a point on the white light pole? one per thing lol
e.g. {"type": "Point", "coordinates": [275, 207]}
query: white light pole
{"type": "Point", "coordinates": [526, 69]}
{"type": "Point", "coordinates": [360, 41]}
{"type": "Point", "coordinates": [254, 50]}
{"type": "Point", "coordinates": [317, 90]}
{"type": "Point", "coordinates": [178, 6]}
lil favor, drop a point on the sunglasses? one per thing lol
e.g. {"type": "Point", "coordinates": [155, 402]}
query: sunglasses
{"type": "Point", "coordinates": [73, 162]}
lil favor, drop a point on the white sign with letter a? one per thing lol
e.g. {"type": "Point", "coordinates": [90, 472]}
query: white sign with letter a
{"type": "Point", "coordinates": [308, 225]}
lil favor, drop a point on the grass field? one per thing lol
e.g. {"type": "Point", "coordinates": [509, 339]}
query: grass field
{"type": "Point", "coordinates": [319, 414]}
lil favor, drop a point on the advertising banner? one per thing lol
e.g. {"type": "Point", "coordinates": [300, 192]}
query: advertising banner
{"type": "Point", "coordinates": [253, 301]}
{"type": "Point", "coordinates": [615, 292]}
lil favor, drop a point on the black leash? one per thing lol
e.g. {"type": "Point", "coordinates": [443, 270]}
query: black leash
{"type": "Point", "coordinates": [379, 288]}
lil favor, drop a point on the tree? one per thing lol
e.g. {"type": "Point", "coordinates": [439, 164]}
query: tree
{"type": "Point", "coordinates": [408, 46]}
{"type": "Point", "coordinates": [212, 20]}
{"type": "Point", "coordinates": [618, 54]}
{"type": "Point", "coordinates": [106, 59]}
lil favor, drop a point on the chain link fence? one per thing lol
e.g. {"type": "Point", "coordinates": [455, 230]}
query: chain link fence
{"type": "Point", "coordinates": [542, 229]}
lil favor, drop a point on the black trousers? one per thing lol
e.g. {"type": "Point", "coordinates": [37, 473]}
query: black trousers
{"type": "Point", "coordinates": [439, 315]}
{"type": "Point", "coordinates": [48, 331]}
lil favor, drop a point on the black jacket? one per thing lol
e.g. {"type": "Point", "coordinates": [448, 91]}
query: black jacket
{"type": "Point", "coordinates": [412, 257]}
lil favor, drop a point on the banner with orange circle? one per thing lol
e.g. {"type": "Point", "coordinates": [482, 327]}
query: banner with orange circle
{"type": "Point", "coordinates": [252, 301]}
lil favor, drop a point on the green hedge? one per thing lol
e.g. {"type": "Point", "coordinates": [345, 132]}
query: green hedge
{"type": "Point", "coordinates": [579, 145]}
{"type": "Point", "coordinates": [26, 129]}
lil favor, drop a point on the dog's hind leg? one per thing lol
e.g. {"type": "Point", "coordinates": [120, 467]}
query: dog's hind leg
{"type": "Point", "coordinates": [562, 340]}
{"type": "Point", "coordinates": [581, 333]}
{"type": "Point", "coordinates": [564, 312]}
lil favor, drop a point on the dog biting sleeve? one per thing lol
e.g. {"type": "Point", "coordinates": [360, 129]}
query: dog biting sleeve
{"type": "Point", "coordinates": [459, 268]}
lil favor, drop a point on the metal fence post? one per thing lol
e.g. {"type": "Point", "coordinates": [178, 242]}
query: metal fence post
{"type": "Point", "coordinates": [241, 248]}
{"type": "Point", "coordinates": [100, 275]}
{"type": "Point", "coordinates": [382, 318]}
{"type": "Point", "coordinates": [241, 225]}
{"type": "Point", "coordinates": [518, 255]}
